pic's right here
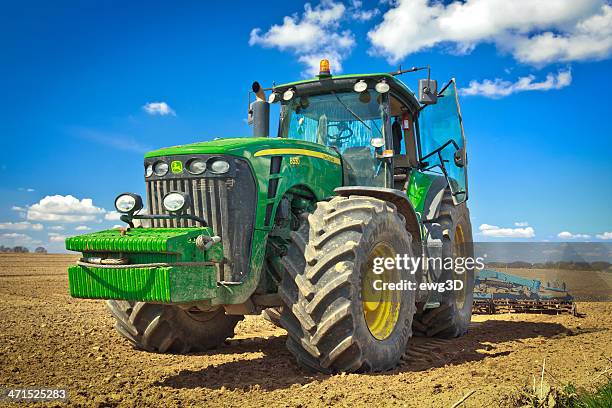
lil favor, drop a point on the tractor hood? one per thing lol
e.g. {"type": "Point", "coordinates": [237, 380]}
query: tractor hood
{"type": "Point", "coordinates": [245, 147]}
{"type": "Point", "coordinates": [262, 166]}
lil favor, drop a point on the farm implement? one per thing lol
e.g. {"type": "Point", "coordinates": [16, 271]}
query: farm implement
{"type": "Point", "coordinates": [499, 292]}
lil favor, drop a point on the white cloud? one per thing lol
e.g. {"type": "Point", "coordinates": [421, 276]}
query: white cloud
{"type": "Point", "coordinates": [112, 216]}
{"type": "Point", "coordinates": [569, 235]}
{"type": "Point", "coordinates": [158, 108]}
{"type": "Point", "coordinates": [314, 35]}
{"type": "Point", "coordinates": [17, 208]}
{"type": "Point", "coordinates": [605, 235]}
{"type": "Point", "coordinates": [499, 88]}
{"type": "Point", "coordinates": [118, 226]}
{"type": "Point", "coordinates": [29, 190]}
{"type": "Point", "coordinates": [56, 228]}
{"type": "Point", "coordinates": [521, 224]}
{"type": "Point", "coordinates": [499, 232]}
{"type": "Point", "coordinates": [82, 228]}
{"type": "Point", "coordinates": [358, 13]}
{"type": "Point", "coordinates": [20, 226]}
{"type": "Point", "coordinates": [533, 31]}
{"type": "Point", "coordinates": [17, 239]}
{"type": "Point", "coordinates": [60, 208]}
{"type": "Point", "coordinates": [55, 237]}
{"type": "Point", "coordinates": [590, 38]}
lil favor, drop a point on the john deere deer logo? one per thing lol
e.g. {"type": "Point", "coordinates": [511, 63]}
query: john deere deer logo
{"type": "Point", "coordinates": [176, 167]}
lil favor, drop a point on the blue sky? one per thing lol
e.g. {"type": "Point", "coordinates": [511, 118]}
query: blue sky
{"type": "Point", "coordinates": [76, 79]}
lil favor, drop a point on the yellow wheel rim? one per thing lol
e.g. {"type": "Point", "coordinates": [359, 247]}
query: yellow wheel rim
{"type": "Point", "coordinates": [380, 307]}
{"type": "Point", "coordinates": [459, 250]}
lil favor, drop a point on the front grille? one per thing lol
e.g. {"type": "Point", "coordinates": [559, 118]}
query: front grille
{"type": "Point", "coordinates": [226, 203]}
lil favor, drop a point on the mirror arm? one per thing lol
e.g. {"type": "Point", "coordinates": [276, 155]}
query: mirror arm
{"type": "Point", "coordinates": [439, 149]}
{"type": "Point", "coordinates": [444, 88]}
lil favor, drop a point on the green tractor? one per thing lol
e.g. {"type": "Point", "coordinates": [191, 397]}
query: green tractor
{"type": "Point", "coordinates": [360, 174]}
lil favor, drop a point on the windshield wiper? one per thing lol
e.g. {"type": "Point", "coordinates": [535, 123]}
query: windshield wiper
{"type": "Point", "coordinates": [351, 111]}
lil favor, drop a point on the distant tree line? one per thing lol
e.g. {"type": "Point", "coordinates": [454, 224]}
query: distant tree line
{"type": "Point", "coordinates": [568, 265]}
{"type": "Point", "coordinates": [21, 250]}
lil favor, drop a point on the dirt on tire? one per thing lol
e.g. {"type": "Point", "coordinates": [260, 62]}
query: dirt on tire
{"type": "Point", "coordinates": [49, 339]}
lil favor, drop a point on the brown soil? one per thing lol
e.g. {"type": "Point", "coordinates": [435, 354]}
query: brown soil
{"type": "Point", "coordinates": [51, 340]}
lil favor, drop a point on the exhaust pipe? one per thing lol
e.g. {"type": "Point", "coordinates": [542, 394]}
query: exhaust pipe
{"type": "Point", "coordinates": [259, 112]}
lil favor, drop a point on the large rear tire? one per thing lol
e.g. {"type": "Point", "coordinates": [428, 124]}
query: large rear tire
{"type": "Point", "coordinates": [452, 317]}
{"type": "Point", "coordinates": [170, 329]}
{"type": "Point", "coordinates": [335, 322]}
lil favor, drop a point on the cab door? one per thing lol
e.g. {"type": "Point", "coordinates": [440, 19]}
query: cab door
{"type": "Point", "coordinates": [442, 141]}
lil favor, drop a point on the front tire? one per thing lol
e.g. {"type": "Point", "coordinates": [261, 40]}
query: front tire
{"type": "Point", "coordinates": [335, 323]}
{"type": "Point", "coordinates": [170, 329]}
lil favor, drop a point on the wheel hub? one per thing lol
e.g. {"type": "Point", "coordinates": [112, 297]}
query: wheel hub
{"type": "Point", "coordinates": [380, 307]}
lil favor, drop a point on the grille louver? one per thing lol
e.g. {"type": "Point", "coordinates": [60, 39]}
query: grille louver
{"type": "Point", "coordinates": [226, 203]}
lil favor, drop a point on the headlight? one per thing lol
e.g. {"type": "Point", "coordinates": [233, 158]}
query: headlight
{"type": "Point", "coordinates": [128, 203]}
{"type": "Point", "coordinates": [174, 202]}
{"type": "Point", "coordinates": [382, 87]}
{"type": "Point", "coordinates": [274, 97]}
{"type": "Point", "coordinates": [360, 86]}
{"type": "Point", "coordinates": [377, 142]}
{"type": "Point", "coordinates": [288, 94]}
{"type": "Point", "coordinates": [160, 168]}
{"type": "Point", "coordinates": [148, 170]}
{"type": "Point", "coordinates": [196, 166]}
{"type": "Point", "coordinates": [219, 167]}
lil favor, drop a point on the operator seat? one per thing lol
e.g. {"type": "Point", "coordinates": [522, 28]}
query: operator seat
{"type": "Point", "coordinates": [396, 132]}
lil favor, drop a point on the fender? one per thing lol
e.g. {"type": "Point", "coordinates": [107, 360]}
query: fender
{"type": "Point", "coordinates": [396, 197]}
{"type": "Point", "coordinates": [434, 199]}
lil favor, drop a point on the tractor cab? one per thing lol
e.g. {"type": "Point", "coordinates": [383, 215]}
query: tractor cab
{"type": "Point", "coordinates": [378, 126]}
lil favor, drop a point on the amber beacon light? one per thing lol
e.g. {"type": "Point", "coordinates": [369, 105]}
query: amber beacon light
{"type": "Point", "coordinates": [324, 68]}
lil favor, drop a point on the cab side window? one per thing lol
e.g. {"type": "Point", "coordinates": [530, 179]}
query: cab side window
{"type": "Point", "coordinates": [403, 133]}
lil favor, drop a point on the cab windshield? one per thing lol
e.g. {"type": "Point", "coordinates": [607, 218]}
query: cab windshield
{"type": "Point", "coordinates": [345, 121]}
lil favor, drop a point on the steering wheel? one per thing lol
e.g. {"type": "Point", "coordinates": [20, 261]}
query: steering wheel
{"type": "Point", "coordinates": [344, 132]}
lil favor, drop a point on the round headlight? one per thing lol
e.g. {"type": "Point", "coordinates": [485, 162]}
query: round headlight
{"type": "Point", "coordinates": [360, 86]}
{"type": "Point", "coordinates": [219, 167]}
{"type": "Point", "coordinates": [196, 166]}
{"type": "Point", "coordinates": [273, 97]}
{"type": "Point", "coordinates": [382, 87]}
{"type": "Point", "coordinates": [160, 168]}
{"type": "Point", "coordinates": [148, 170]}
{"type": "Point", "coordinates": [288, 94]}
{"type": "Point", "coordinates": [128, 203]}
{"type": "Point", "coordinates": [174, 202]}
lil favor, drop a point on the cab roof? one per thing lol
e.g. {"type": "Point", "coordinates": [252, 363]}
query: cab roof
{"type": "Point", "coordinates": [336, 82]}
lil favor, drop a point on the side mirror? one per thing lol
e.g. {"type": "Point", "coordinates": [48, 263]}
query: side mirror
{"type": "Point", "coordinates": [459, 158]}
{"type": "Point", "coordinates": [428, 91]}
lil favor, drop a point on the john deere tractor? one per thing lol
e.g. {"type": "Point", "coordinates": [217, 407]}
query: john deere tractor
{"type": "Point", "coordinates": [294, 225]}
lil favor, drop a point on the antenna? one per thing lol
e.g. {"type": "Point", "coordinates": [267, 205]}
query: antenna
{"type": "Point", "coordinates": [401, 71]}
